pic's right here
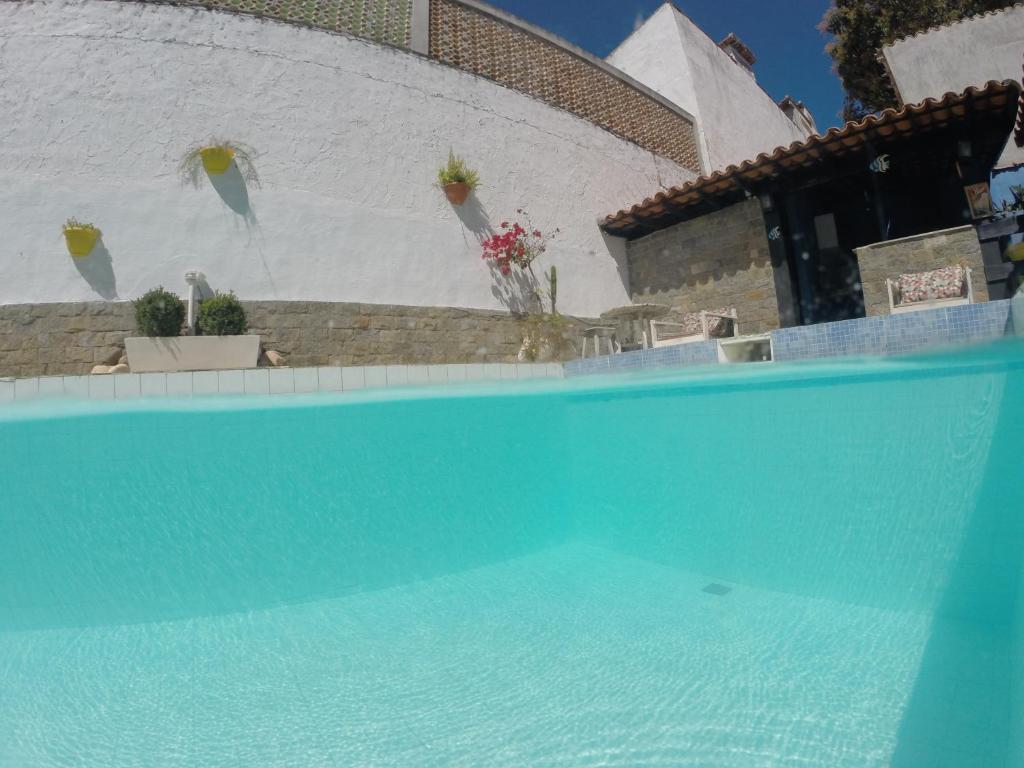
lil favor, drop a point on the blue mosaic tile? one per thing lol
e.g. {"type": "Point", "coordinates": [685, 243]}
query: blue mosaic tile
{"type": "Point", "coordinates": [885, 335]}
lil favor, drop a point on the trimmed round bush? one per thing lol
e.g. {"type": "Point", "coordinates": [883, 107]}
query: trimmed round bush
{"type": "Point", "coordinates": [221, 316]}
{"type": "Point", "coordinates": [159, 313]}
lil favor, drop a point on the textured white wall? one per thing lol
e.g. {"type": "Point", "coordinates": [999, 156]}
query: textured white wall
{"type": "Point", "coordinates": [737, 119]}
{"type": "Point", "coordinates": [100, 100]}
{"type": "Point", "coordinates": [953, 58]}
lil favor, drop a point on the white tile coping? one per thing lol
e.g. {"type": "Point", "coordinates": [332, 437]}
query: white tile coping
{"type": "Point", "coordinates": [264, 381]}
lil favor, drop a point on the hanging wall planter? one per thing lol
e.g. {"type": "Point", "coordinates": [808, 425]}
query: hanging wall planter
{"type": "Point", "coordinates": [217, 160]}
{"type": "Point", "coordinates": [80, 238]}
{"type": "Point", "coordinates": [457, 192]}
{"type": "Point", "coordinates": [457, 180]}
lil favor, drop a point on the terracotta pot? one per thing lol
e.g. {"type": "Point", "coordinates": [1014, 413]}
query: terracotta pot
{"type": "Point", "coordinates": [457, 192]}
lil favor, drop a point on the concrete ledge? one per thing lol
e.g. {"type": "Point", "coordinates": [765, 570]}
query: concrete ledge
{"type": "Point", "coordinates": [265, 381]}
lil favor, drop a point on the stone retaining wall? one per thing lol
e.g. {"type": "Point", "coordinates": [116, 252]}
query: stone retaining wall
{"type": "Point", "coordinates": [919, 253]}
{"type": "Point", "coordinates": [52, 339]}
{"type": "Point", "coordinates": [714, 261]}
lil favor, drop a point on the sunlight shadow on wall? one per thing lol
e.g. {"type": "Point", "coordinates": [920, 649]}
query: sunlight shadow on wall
{"type": "Point", "coordinates": [617, 248]}
{"type": "Point", "coordinates": [517, 291]}
{"type": "Point", "coordinates": [231, 187]}
{"type": "Point", "coordinates": [98, 270]}
{"type": "Point", "coordinates": [474, 217]}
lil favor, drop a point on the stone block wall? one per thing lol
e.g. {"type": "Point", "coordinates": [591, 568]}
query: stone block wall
{"type": "Point", "coordinates": [718, 260]}
{"type": "Point", "coordinates": [919, 253]}
{"type": "Point", "coordinates": [52, 339]}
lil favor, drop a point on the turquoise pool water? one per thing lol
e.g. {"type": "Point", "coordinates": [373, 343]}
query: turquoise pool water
{"type": "Point", "coordinates": [813, 565]}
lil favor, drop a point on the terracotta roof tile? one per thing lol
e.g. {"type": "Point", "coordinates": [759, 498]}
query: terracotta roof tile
{"type": "Point", "coordinates": [835, 141]}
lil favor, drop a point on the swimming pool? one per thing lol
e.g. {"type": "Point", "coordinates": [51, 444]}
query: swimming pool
{"type": "Point", "coordinates": [807, 565]}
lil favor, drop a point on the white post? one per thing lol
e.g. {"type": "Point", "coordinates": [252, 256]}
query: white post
{"type": "Point", "coordinates": [192, 279]}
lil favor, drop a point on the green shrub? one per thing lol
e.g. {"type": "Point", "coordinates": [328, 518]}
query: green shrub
{"type": "Point", "coordinates": [159, 313]}
{"type": "Point", "coordinates": [221, 316]}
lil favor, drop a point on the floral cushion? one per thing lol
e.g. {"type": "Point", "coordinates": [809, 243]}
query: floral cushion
{"type": "Point", "coordinates": [718, 327]}
{"type": "Point", "coordinates": [944, 283]}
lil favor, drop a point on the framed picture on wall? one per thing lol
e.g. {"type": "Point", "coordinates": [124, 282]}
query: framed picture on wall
{"type": "Point", "coordinates": [979, 198]}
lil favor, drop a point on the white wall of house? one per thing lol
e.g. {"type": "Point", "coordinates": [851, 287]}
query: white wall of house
{"type": "Point", "coordinates": [960, 55]}
{"type": "Point", "coordinates": [737, 119]}
{"type": "Point", "coordinates": [100, 100]}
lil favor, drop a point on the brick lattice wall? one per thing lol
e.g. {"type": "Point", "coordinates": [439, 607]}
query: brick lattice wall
{"type": "Point", "coordinates": [919, 253]}
{"type": "Point", "coordinates": [718, 260]}
{"type": "Point", "coordinates": [479, 43]}
{"type": "Point", "coordinates": [51, 339]}
{"type": "Point", "coordinates": [384, 21]}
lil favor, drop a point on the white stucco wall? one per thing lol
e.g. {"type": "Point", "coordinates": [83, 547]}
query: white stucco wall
{"type": "Point", "coordinates": [736, 118]}
{"type": "Point", "coordinates": [100, 100]}
{"type": "Point", "coordinates": [955, 57]}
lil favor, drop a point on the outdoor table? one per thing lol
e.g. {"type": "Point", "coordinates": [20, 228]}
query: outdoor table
{"type": "Point", "coordinates": [639, 314]}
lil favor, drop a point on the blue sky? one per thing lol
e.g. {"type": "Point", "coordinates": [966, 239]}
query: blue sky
{"type": "Point", "coordinates": [782, 33]}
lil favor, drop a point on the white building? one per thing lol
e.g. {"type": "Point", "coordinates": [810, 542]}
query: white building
{"type": "Point", "coordinates": [716, 83]}
{"type": "Point", "coordinates": [956, 56]}
{"type": "Point", "coordinates": [100, 100]}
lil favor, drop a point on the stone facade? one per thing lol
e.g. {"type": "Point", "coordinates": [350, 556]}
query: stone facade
{"type": "Point", "coordinates": [718, 260]}
{"type": "Point", "coordinates": [920, 253]}
{"type": "Point", "coordinates": [51, 339]}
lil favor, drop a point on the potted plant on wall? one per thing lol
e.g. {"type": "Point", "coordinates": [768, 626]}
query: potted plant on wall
{"type": "Point", "coordinates": [80, 238]}
{"type": "Point", "coordinates": [215, 159]}
{"type": "Point", "coordinates": [457, 179]}
{"type": "Point", "coordinates": [223, 344]}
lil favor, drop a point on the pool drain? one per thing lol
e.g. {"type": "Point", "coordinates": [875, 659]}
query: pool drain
{"type": "Point", "coordinates": [717, 589]}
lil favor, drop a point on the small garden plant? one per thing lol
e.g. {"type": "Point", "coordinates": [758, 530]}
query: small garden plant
{"type": "Point", "coordinates": [73, 223]}
{"type": "Point", "coordinates": [516, 247]}
{"type": "Point", "coordinates": [215, 158]}
{"type": "Point", "coordinates": [222, 315]}
{"type": "Point", "coordinates": [457, 172]}
{"type": "Point", "coordinates": [159, 313]}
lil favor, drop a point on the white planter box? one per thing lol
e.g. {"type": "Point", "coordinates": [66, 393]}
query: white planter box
{"type": "Point", "coordinates": [191, 353]}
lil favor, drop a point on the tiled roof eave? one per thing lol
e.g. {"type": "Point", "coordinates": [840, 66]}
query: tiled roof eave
{"type": "Point", "coordinates": [815, 148]}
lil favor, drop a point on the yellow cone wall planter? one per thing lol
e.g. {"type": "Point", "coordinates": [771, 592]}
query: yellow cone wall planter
{"type": "Point", "coordinates": [80, 238]}
{"type": "Point", "coordinates": [214, 158]}
{"type": "Point", "coordinates": [1016, 252]}
{"type": "Point", "coordinates": [217, 160]}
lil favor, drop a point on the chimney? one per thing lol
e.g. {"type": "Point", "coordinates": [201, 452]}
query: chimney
{"type": "Point", "coordinates": [799, 114]}
{"type": "Point", "coordinates": [738, 52]}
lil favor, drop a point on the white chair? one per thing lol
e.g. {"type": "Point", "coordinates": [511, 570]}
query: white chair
{"type": "Point", "coordinates": [928, 290]}
{"type": "Point", "coordinates": [696, 326]}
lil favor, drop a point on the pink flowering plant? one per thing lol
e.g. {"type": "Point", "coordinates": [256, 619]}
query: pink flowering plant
{"type": "Point", "coordinates": [515, 248]}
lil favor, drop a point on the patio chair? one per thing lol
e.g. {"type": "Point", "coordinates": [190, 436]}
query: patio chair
{"type": "Point", "coordinates": [696, 326]}
{"type": "Point", "coordinates": [944, 287]}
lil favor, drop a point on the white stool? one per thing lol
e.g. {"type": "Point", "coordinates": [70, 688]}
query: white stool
{"type": "Point", "coordinates": [597, 333]}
